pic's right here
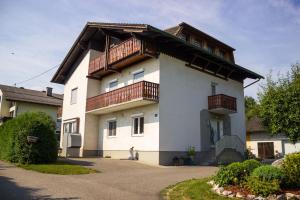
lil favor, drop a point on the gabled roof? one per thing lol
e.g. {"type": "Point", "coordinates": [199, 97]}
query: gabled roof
{"type": "Point", "coordinates": [166, 40]}
{"type": "Point", "coordinates": [32, 96]}
{"type": "Point", "coordinates": [255, 124]}
{"type": "Point", "coordinates": [175, 30]}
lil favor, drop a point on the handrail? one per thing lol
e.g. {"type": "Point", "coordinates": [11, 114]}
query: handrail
{"type": "Point", "coordinates": [231, 142]}
{"type": "Point", "coordinates": [142, 89]}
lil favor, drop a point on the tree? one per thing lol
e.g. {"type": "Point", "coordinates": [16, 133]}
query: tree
{"type": "Point", "coordinates": [251, 107]}
{"type": "Point", "coordinates": [280, 104]}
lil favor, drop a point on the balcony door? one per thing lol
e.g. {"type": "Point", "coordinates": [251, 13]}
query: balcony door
{"type": "Point", "coordinates": [216, 130]}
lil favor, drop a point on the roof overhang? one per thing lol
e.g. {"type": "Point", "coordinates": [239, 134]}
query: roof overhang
{"type": "Point", "coordinates": [163, 39]}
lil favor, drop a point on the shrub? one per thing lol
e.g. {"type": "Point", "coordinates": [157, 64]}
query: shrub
{"type": "Point", "coordinates": [232, 174]}
{"type": "Point", "coordinates": [268, 173]}
{"type": "Point", "coordinates": [14, 144]}
{"type": "Point", "coordinates": [291, 170]}
{"type": "Point", "coordinates": [250, 165]}
{"type": "Point", "coordinates": [262, 187]}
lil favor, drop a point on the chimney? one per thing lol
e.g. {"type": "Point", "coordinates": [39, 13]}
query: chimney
{"type": "Point", "coordinates": [49, 91]}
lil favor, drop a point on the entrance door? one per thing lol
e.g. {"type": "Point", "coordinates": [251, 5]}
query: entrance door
{"type": "Point", "coordinates": [265, 150]}
{"type": "Point", "coordinates": [216, 130]}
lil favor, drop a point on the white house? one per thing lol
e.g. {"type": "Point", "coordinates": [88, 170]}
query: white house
{"type": "Point", "coordinates": [132, 90]}
{"type": "Point", "coordinates": [15, 101]}
{"type": "Point", "coordinates": [265, 145]}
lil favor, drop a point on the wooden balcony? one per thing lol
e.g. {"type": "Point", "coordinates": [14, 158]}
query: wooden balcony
{"type": "Point", "coordinates": [125, 53]}
{"type": "Point", "coordinates": [134, 95]}
{"type": "Point", "coordinates": [222, 104]}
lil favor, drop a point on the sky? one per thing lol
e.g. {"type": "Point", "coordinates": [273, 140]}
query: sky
{"type": "Point", "coordinates": [36, 35]}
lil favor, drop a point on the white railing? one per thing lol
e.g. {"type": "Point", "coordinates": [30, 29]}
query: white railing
{"type": "Point", "coordinates": [230, 142]}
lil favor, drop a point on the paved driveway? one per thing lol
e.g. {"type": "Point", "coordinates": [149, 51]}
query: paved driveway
{"type": "Point", "coordinates": [120, 179]}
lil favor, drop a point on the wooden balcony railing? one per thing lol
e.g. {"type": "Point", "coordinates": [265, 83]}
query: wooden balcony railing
{"type": "Point", "coordinates": [222, 101]}
{"type": "Point", "coordinates": [116, 53]}
{"type": "Point", "coordinates": [143, 89]}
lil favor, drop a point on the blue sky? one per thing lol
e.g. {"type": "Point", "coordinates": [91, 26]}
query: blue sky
{"type": "Point", "coordinates": [36, 35]}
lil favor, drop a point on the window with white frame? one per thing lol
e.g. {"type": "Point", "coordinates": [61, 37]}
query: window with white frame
{"type": "Point", "coordinates": [112, 128]}
{"type": "Point", "coordinates": [138, 76]}
{"type": "Point", "coordinates": [71, 126]}
{"type": "Point", "coordinates": [74, 96]}
{"type": "Point", "coordinates": [113, 85]}
{"type": "Point", "coordinates": [137, 125]}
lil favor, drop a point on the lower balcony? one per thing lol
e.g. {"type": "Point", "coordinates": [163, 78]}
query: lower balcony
{"type": "Point", "coordinates": [222, 104]}
{"type": "Point", "coordinates": [134, 95]}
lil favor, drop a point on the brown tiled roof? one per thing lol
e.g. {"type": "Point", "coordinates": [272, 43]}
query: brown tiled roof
{"type": "Point", "coordinates": [255, 124]}
{"type": "Point", "coordinates": [33, 96]}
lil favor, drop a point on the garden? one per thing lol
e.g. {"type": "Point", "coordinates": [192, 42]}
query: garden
{"type": "Point", "coordinates": [244, 180]}
{"type": "Point", "coordinates": [29, 142]}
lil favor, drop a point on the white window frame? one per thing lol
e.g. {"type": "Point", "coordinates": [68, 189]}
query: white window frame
{"type": "Point", "coordinates": [113, 88]}
{"type": "Point", "coordinates": [74, 101]}
{"type": "Point", "coordinates": [137, 116]}
{"type": "Point", "coordinates": [74, 126]}
{"type": "Point", "coordinates": [107, 127]}
{"type": "Point", "coordinates": [138, 72]}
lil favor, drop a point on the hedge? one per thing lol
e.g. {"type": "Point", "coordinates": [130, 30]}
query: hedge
{"type": "Point", "coordinates": [14, 146]}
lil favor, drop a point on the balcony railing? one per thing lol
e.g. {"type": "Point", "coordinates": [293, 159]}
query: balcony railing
{"type": "Point", "coordinates": [222, 101]}
{"type": "Point", "coordinates": [145, 90]}
{"type": "Point", "coordinates": [115, 54]}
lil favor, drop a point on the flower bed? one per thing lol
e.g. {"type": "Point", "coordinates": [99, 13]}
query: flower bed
{"type": "Point", "coordinates": [252, 180]}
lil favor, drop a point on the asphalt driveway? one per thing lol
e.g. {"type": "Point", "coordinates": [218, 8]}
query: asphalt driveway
{"type": "Point", "coordinates": [120, 179]}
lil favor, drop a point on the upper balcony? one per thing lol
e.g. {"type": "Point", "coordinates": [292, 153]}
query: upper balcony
{"type": "Point", "coordinates": [134, 95]}
{"type": "Point", "coordinates": [123, 54]}
{"type": "Point", "coordinates": [222, 104]}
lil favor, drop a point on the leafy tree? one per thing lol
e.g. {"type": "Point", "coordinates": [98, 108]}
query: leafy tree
{"type": "Point", "coordinates": [280, 104]}
{"type": "Point", "coordinates": [251, 107]}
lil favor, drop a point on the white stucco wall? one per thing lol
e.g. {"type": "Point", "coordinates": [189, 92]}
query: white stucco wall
{"type": "Point", "coordinates": [183, 94]}
{"type": "Point", "coordinates": [77, 80]}
{"type": "Point", "coordinates": [124, 140]}
{"type": "Point", "coordinates": [151, 73]}
{"type": "Point", "coordinates": [280, 141]}
{"type": "Point", "coordinates": [4, 106]}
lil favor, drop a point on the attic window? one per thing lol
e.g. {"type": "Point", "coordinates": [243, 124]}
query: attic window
{"type": "Point", "coordinates": [222, 53]}
{"type": "Point", "coordinates": [198, 43]}
{"type": "Point", "coordinates": [210, 49]}
{"type": "Point", "coordinates": [182, 36]}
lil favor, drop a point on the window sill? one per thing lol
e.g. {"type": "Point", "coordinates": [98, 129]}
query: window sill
{"type": "Point", "coordinates": [137, 135]}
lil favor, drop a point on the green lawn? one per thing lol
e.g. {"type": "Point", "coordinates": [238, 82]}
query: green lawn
{"type": "Point", "coordinates": [195, 189]}
{"type": "Point", "coordinates": [59, 167]}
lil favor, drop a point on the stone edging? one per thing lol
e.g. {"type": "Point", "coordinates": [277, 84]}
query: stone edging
{"type": "Point", "coordinates": [221, 191]}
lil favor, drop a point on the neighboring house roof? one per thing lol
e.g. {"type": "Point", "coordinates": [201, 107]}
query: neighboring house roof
{"type": "Point", "coordinates": [255, 124]}
{"type": "Point", "coordinates": [166, 41]}
{"type": "Point", "coordinates": [32, 96]}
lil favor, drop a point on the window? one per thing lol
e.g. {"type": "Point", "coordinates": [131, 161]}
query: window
{"type": "Point", "coordinates": [137, 126]}
{"type": "Point", "coordinates": [213, 88]}
{"type": "Point", "coordinates": [113, 85]}
{"type": "Point", "coordinates": [198, 43]}
{"type": "Point", "coordinates": [74, 96]}
{"type": "Point", "coordinates": [138, 76]}
{"type": "Point", "coordinates": [210, 49]}
{"type": "Point", "coordinates": [222, 53]}
{"type": "Point", "coordinates": [112, 128]}
{"type": "Point", "coordinates": [71, 127]}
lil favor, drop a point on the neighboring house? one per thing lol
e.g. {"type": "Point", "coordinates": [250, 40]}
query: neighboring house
{"type": "Point", "coordinates": [132, 90]}
{"type": "Point", "coordinates": [265, 145]}
{"type": "Point", "coordinates": [14, 101]}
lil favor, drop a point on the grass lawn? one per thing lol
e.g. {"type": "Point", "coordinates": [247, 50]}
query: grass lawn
{"type": "Point", "coordinates": [58, 167]}
{"type": "Point", "coordinates": [195, 189]}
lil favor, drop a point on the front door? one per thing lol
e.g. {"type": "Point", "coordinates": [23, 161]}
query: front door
{"type": "Point", "coordinates": [265, 150]}
{"type": "Point", "coordinates": [216, 130]}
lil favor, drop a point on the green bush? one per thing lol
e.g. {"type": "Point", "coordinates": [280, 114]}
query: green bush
{"type": "Point", "coordinates": [232, 174]}
{"type": "Point", "coordinates": [268, 173]}
{"type": "Point", "coordinates": [291, 170]}
{"type": "Point", "coordinates": [262, 187]}
{"type": "Point", "coordinates": [250, 165]}
{"type": "Point", "coordinates": [14, 146]}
